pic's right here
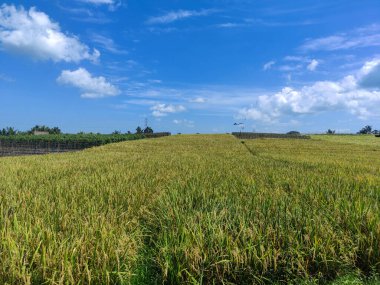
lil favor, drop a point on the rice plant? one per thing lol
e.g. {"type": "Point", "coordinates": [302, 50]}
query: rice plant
{"type": "Point", "coordinates": [202, 209]}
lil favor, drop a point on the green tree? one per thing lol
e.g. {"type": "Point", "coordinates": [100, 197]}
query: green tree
{"type": "Point", "coordinates": [138, 130]}
{"type": "Point", "coordinates": [148, 130]}
{"type": "Point", "coordinates": [55, 131]}
{"type": "Point", "coordinates": [293, 133]}
{"type": "Point", "coordinates": [43, 128]}
{"type": "Point", "coordinates": [365, 130]}
{"type": "Point", "coordinates": [8, 131]}
{"type": "Point", "coordinates": [330, 132]}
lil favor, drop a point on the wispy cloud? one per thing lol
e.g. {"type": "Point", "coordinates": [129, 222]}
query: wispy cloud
{"type": "Point", "coordinates": [161, 30]}
{"type": "Point", "coordinates": [161, 110]}
{"type": "Point", "coordinates": [288, 67]}
{"type": "Point", "coordinates": [91, 87]}
{"type": "Point", "coordinates": [312, 66]}
{"type": "Point", "coordinates": [197, 100]}
{"type": "Point", "coordinates": [184, 122]}
{"type": "Point", "coordinates": [96, 19]}
{"type": "Point", "coordinates": [270, 23]}
{"type": "Point", "coordinates": [87, 14]}
{"type": "Point", "coordinates": [359, 38]}
{"type": "Point", "coordinates": [178, 15]}
{"type": "Point", "coordinates": [275, 11]}
{"type": "Point", "coordinates": [6, 78]}
{"type": "Point", "coordinates": [268, 65]}
{"type": "Point", "coordinates": [155, 81]}
{"type": "Point", "coordinates": [142, 102]}
{"type": "Point", "coordinates": [32, 33]}
{"type": "Point", "coordinates": [99, 2]}
{"type": "Point", "coordinates": [107, 44]}
{"type": "Point", "coordinates": [218, 98]}
{"type": "Point", "coordinates": [77, 11]}
{"type": "Point", "coordinates": [293, 63]}
{"type": "Point", "coordinates": [112, 4]}
{"type": "Point", "coordinates": [295, 58]}
{"type": "Point", "coordinates": [252, 22]}
{"type": "Point", "coordinates": [230, 25]}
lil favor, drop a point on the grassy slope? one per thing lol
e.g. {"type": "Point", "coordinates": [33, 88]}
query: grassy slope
{"type": "Point", "coordinates": [191, 209]}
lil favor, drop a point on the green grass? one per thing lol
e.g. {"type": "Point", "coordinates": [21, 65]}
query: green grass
{"type": "Point", "coordinates": [193, 210]}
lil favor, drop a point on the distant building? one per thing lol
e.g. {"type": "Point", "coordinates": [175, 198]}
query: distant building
{"type": "Point", "coordinates": [40, 133]}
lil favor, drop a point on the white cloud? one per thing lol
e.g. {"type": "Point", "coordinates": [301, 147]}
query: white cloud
{"type": "Point", "coordinates": [142, 102]}
{"type": "Point", "coordinates": [296, 63]}
{"type": "Point", "coordinates": [358, 38]}
{"type": "Point", "coordinates": [184, 122]}
{"type": "Point", "coordinates": [92, 87]}
{"type": "Point", "coordinates": [253, 114]}
{"type": "Point", "coordinates": [268, 65]}
{"type": "Point", "coordinates": [112, 4]}
{"type": "Point", "coordinates": [347, 94]}
{"type": "Point", "coordinates": [369, 75]}
{"type": "Point", "coordinates": [33, 33]}
{"type": "Point", "coordinates": [230, 25]}
{"type": "Point", "coordinates": [197, 100]}
{"type": "Point", "coordinates": [161, 110]}
{"type": "Point", "coordinates": [312, 66]}
{"type": "Point", "coordinates": [99, 2]}
{"type": "Point", "coordinates": [155, 81]}
{"type": "Point", "coordinates": [178, 15]}
{"type": "Point", "coordinates": [288, 68]}
{"type": "Point", "coordinates": [295, 58]}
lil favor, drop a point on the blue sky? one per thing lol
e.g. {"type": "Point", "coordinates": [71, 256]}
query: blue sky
{"type": "Point", "coordinates": [190, 66]}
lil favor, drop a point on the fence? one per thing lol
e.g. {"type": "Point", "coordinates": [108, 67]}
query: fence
{"type": "Point", "coordinates": [156, 135]}
{"type": "Point", "coordinates": [245, 135]}
{"type": "Point", "coordinates": [13, 148]}
{"type": "Point", "coordinates": [28, 150]}
{"type": "Point", "coordinates": [22, 145]}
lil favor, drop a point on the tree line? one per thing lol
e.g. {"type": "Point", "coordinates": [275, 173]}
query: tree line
{"type": "Point", "coordinates": [10, 131]}
{"type": "Point", "coordinates": [366, 130]}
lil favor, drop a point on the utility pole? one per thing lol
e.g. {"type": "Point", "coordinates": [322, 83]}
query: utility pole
{"type": "Point", "coordinates": [241, 126]}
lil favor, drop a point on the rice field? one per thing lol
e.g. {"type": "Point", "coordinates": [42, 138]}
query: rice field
{"type": "Point", "coordinates": [194, 209]}
{"type": "Point", "coordinates": [350, 139]}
